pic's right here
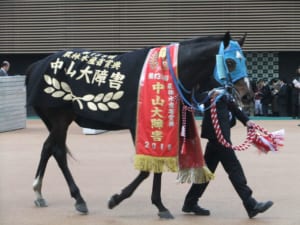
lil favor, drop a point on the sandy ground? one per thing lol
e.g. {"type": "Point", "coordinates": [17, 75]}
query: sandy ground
{"type": "Point", "coordinates": [103, 166]}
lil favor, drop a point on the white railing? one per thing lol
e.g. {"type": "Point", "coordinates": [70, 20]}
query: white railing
{"type": "Point", "coordinates": [12, 103]}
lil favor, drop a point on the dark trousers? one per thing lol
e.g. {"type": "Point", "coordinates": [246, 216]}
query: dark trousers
{"type": "Point", "coordinates": [265, 109]}
{"type": "Point", "coordinates": [214, 154]}
{"type": "Point", "coordinates": [295, 110]}
{"type": "Point", "coordinates": [282, 110]}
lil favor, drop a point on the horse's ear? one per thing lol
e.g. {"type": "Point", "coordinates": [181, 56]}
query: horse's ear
{"type": "Point", "coordinates": [242, 39]}
{"type": "Point", "coordinates": [226, 39]}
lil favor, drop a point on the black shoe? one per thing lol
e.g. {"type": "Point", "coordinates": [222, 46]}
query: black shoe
{"type": "Point", "coordinates": [259, 207]}
{"type": "Point", "coordinates": [197, 210]}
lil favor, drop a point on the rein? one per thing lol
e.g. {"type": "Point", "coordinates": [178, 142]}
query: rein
{"type": "Point", "coordinates": [252, 133]}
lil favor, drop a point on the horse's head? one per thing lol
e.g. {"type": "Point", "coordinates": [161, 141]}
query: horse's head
{"type": "Point", "coordinates": [231, 66]}
{"type": "Point", "coordinates": [213, 62]}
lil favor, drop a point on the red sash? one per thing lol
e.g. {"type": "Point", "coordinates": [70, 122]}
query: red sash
{"type": "Point", "coordinates": [157, 130]}
{"type": "Point", "coordinates": [157, 133]}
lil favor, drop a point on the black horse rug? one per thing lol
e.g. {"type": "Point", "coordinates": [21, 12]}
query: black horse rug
{"type": "Point", "coordinates": [105, 90]}
{"type": "Point", "coordinates": [90, 83]}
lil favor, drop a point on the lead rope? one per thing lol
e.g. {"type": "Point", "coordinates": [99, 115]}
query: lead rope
{"type": "Point", "coordinates": [251, 132]}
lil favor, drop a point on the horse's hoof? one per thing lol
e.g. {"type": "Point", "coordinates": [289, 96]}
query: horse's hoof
{"type": "Point", "coordinates": [165, 215]}
{"type": "Point", "coordinates": [113, 201]}
{"type": "Point", "coordinates": [40, 203]}
{"type": "Point", "coordinates": [82, 208]}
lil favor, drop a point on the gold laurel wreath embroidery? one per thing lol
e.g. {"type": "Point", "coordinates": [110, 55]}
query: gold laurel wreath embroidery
{"type": "Point", "coordinates": [101, 101]}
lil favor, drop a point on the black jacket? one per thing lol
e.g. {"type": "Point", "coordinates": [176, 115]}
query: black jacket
{"type": "Point", "coordinates": [227, 111]}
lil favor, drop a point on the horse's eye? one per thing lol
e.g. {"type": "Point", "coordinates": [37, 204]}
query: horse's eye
{"type": "Point", "coordinates": [231, 64]}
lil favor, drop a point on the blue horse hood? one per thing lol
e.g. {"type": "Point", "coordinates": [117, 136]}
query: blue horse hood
{"type": "Point", "coordinates": [233, 52]}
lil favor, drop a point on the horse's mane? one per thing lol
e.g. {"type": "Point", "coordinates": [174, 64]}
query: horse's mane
{"type": "Point", "coordinates": [202, 39]}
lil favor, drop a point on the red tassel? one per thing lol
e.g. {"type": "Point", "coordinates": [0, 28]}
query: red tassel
{"type": "Point", "coordinates": [269, 142]}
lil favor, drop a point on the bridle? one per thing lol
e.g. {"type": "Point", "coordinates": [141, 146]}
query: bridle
{"type": "Point", "coordinates": [222, 75]}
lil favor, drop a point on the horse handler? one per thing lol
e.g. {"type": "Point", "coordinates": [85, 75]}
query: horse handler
{"type": "Point", "coordinates": [227, 110]}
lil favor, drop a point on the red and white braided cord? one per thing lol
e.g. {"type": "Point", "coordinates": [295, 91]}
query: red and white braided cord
{"type": "Point", "coordinates": [251, 132]}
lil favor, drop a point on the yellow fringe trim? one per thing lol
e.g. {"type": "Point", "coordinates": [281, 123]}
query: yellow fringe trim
{"type": "Point", "coordinates": [155, 164]}
{"type": "Point", "coordinates": [195, 175]}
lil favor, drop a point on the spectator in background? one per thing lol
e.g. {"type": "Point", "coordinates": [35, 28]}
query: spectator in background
{"type": "Point", "coordinates": [274, 86]}
{"type": "Point", "coordinates": [295, 94]}
{"type": "Point", "coordinates": [257, 98]}
{"type": "Point", "coordinates": [282, 97]}
{"type": "Point", "coordinates": [266, 99]}
{"type": "Point", "coordinates": [4, 68]}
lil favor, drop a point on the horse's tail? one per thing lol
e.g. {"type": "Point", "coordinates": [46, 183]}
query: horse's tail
{"type": "Point", "coordinates": [70, 154]}
{"type": "Point", "coordinates": [32, 73]}
{"type": "Point", "coordinates": [28, 72]}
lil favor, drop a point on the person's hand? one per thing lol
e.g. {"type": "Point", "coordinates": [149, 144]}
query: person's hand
{"type": "Point", "coordinates": [250, 124]}
{"type": "Point", "coordinates": [296, 83]}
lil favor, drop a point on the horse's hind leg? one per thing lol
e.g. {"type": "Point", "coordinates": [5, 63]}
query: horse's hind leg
{"type": "Point", "coordinates": [156, 198]}
{"type": "Point", "coordinates": [127, 191]}
{"type": "Point", "coordinates": [37, 184]}
{"type": "Point", "coordinates": [61, 158]}
{"type": "Point", "coordinates": [57, 123]}
{"type": "Point", "coordinates": [59, 149]}
{"type": "Point", "coordinates": [45, 155]}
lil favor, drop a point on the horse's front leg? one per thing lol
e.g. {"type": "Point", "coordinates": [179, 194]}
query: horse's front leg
{"type": "Point", "coordinates": [156, 198]}
{"type": "Point", "coordinates": [127, 191]}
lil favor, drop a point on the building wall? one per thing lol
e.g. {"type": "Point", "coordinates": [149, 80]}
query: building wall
{"type": "Point", "coordinates": [31, 29]}
{"type": "Point", "coordinates": [38, 26]}
{"type": "Point", "coordinates": [262, 65]}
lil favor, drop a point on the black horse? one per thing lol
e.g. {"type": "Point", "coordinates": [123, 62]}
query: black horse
{"type": "Point", "coordinates": [196, 64]}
